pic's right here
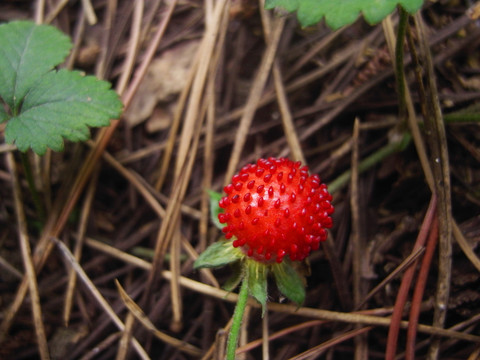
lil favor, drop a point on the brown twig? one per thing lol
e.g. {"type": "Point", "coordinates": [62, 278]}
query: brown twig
{"type": "Point", "coordinates": [77, 252]}
{"type": "Point", "coordinates": [437, 142]}
{"type": "Point", "coordinates": [254, 98]}
{"type": "Point", "coordinates": [27, 260]}
{"type": "Point", "coordinates": [96, 294]}
{"type": "Point", "coordinates": [357, 240]}
{"type": "Point", "coordinates": [317, 350]}
{"type": "Point", "coordinates": [59, 215]}
{"type": "Point", "coordinates": [287, 118]}
{"type": "Point", "coordinates": [352, 317]}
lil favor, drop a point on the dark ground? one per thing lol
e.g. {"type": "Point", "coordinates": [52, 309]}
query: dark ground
{"type": "Point", "coordinates": [195, 120]}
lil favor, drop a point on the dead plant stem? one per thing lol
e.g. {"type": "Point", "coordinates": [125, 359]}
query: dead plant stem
{"type": "Point", "coordinates": [254, 98]}
{"type": "Point", "coordinates": [96, 294]}
{"type": "Point", "coordinates": [419, 290]}
{"type": "Point", "coordinates": [352, 317]}
{"type": "Point", "coordinates": [27, 260]}
{"type": "Point", "coordinates": [361, 347]}
{"type": "Point", "coordinates": [59, 216]}
{"type": "Point", "coordinates": [80, 238]}
{"type": "Point", "coordinates": [407, 279]}
{"type": "Point", "coordinates": [437, 141]}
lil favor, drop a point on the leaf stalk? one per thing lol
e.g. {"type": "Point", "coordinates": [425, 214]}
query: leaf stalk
{"type": "Point", "coordinates": [237, 319]}
{"type": "Point", "coordinates": [31, 186]}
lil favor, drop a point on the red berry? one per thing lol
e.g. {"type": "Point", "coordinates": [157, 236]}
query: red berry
{"type": "Point", "coordinates": [275, 208]}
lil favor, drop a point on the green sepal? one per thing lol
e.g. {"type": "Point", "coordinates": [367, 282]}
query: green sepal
{"type": "Point", "coordinates": [218, 254]}
{"type": "Point", "coordinates": [289, 282]}
{"type": "Point", "coordinates": [215, 209]}
{"type": "Point", "coordinates": [3, 114]}
{"type": "Point", "coordinates": [257, 281]}
{"type": "Point", "coordinates": [236, 278]}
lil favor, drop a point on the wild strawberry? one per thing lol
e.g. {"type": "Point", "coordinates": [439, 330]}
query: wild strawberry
{"type": "Point", "coordinates": [275, 208]}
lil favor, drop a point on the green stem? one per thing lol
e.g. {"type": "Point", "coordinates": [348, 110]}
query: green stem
{"type": "Point", "coordinates": [461, 117]}
{"type": "Point", "coordinates": [237, 319]}
{"type": "Point", "coordinates": [392, 147]}
{"type": "Point", "coordinates": [370, 161]}
{"type": "Point", "coordinates": [31, 185]}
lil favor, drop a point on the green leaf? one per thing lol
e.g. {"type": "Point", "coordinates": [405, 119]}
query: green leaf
{"type": "Point", "coordinates": [27, 51]}
{"type": "Point", "coordinates": [218, 254]}
{"type": "Point", "coordinates": [62, 105]}
{"type": "Point", "coordinates": [344, 12]}
{"type": "Point", "coordinates": [287, 5]}
{"type": "Point", "coordinates": [215, 209]}
{"type": "Point", "coordinates": [257, 281]}
{"type": "Point", "coordinates": [235, 279]}
{"type": "Point", "coordinates": [3, 114]}
{"type": "Point", "coordinates": [289, 282]}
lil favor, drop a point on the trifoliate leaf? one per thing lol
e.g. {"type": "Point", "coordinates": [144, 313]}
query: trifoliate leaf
{"type": "Point", "coordinates": [218, 254]}
{"type": "Point", "coordinates": [289, 282]}
{"type": "Point", "coordinates": [27, 51]}
{"type": "Point", "coordinates": [62, 105]}
{"type": "Point", "coordinates": [215, 209]}
{"type": "Point", "coordinates": [257, 281]}
{"type": "Point", "coordinates": [341, 13]}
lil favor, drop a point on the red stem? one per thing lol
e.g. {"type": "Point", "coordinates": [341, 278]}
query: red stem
{"type": "Point", "coordinates": [402, 295]}
{"type": "Point", "coordinates": [419, 290]}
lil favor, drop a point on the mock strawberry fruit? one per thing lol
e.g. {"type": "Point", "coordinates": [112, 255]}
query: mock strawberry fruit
{"type": "Point", "coordinates": [275, 208]}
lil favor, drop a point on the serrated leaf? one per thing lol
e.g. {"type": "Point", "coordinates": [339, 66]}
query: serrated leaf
{"type": "Point", "coordinates": [218, 254]}
{"type": "Point", "coordinates": [27, 51]}
{"type": "Point", "coordinates": [257, 281]}
{"type": "Point", "coordinates": [287, 5]}
{"type": "Point", "coordinates": [341, 13]}
{"type": "Point", "coordinates": [289, 282]}
{"type": "Point", "coordinates": [215, 209]}
{"type": "Point", "coordinates": [62, 105]}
